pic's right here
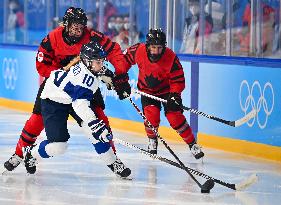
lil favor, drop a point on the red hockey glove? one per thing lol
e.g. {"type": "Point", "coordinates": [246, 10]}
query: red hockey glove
{"type": "Point", "coordinates": [174, 102]}
{"type": "Point", "coordinates": [122, 86]}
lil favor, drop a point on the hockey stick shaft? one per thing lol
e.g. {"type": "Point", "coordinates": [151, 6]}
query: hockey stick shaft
{"type": "Point", "coordinates": [240, 186]}
{"type": "Point", "coordinates": [236, 123]}
{"type": "Point", "coordinates": [163, 141]}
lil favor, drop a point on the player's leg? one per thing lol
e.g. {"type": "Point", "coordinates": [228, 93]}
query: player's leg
{"type": "Point", "coordinates": [178, 122]}
{"type": "Point", "coordinates": [151, 109]}
{"type": "Point", "coordinates": [32, 128]}
{"type": "Point", "coordinates": [55, 117]}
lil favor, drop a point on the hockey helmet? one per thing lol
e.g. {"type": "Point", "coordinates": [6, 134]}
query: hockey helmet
{"type": "Point", "coordinates": [73, 15]}
{"type": "Point", "coordinates": [91, 51]}
{"type": "Point", "coordinates": [156, 37]}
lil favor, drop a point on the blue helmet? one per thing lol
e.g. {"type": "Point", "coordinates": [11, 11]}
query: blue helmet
{"type": "Point", "coordinates": [91, 51]}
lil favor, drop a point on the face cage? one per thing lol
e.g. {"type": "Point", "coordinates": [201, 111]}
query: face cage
{"type": "Point", "coordinates": [73, 39]}
{"type": "Point", "coordinates": [154, 57]}
{"type": "Point", "coordinates": [88, 64]}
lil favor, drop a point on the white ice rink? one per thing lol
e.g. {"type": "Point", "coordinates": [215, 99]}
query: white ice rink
{"type": "Point", "coordinates": [79, 177]}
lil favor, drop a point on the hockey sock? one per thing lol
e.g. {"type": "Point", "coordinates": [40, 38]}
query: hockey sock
{"type": "Point", "coordinates": [31, 130]}
{"type": "Point", "coordinates": [179, 123]}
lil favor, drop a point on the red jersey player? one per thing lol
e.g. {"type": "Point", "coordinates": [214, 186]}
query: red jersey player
{"type": "Point", "coordinates": [56, 50]}
{"type": "Point", "coordinates": [160, 74]}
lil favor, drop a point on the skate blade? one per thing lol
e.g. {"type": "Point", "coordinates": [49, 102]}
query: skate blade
{"type": "Point", "coordinates": [129, 178]}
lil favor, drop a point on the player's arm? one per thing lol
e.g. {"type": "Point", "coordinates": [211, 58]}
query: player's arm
{"type": "Point", "coordinates": [177, 80]}
{"type": "Point", "coordinates": [113, 49]}
{"type": "Point", "coordinates": [44, 58]}
{"type": "Point", "coordinates": [91, 124]}
{"type": "Point", "coordinates": [121, 79]}
{"type": "Point", "coordinates": [177, 85]}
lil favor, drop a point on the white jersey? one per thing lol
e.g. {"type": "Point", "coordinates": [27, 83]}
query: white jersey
{"type": "Point", "coordinates": [76, 87]}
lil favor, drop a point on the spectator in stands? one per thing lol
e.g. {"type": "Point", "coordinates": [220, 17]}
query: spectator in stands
{"type": "Point", "coordinates": [91, 22]}
{"type": "Point", "coordinates": [111, 27]}
{"type": "Point", "coordinates": [267, 29]}
{"type": "Point", "coordinates": [122, 37]}
{"type": "Point", "coordinates": [15, 23]}
{"type": "Point", "coordinates": [191, 43]}
{"type": "Point", "coordinates": [109, 10]}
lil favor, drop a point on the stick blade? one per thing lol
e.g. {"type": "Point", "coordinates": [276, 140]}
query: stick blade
{"type": "Point", "coordinates": [207, 186]}
{"type": "Point", "coordinates": [247, 182]}
{"type": "Point", "coordinates": [246, 118]}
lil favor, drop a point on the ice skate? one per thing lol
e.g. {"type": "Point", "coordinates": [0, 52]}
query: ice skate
{"type": "Point", "coordinates": [120, 169]}
{"type": "Point", "coordinates": [12, 163]}
{"type": "Point", "coordinates": [29, 161]}
{"type": "Point", "coordinates": [152, 145]}
{"type": "Point", "coordinates": [196, 151]}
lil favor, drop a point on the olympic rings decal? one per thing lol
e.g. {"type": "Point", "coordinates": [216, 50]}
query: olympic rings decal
{"type": "Point", "coordinates": [257, 99]}
{"type": "Point", "coordinates": [10, 72]}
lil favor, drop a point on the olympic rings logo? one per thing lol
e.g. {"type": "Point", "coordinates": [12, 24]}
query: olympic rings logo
{"type": "Point", "coordinates": [10, 72]}
{"type": "Point", "coordinates": [262, 100]}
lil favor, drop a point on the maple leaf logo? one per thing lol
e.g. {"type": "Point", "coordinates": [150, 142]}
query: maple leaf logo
{"type": "Point", "coordinates": [152, 81]}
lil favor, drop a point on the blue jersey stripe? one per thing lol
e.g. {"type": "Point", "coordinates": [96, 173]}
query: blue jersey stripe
{"type": "Point", "coordinates": [78, 92]}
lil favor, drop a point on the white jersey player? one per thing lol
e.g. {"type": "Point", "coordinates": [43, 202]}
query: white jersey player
{"type": "Point", "coordinates": [75, 88]}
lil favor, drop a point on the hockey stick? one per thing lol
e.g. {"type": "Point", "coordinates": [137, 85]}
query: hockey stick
{"type": "Point", "coordinates": [235, 123]}
{"type": "Point", "coordinates": [238, 187]}
{"type": "Point", "coordinates": [207, 186]}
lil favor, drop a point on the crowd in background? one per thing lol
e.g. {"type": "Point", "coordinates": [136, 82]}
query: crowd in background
{"type": "Point", "coordinates": [212, 40]}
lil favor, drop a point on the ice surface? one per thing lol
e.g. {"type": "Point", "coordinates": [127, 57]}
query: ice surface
{"type": "Point", "coordinates": [80, 177]}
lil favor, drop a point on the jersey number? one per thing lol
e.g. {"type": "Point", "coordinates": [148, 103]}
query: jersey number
{"type": "Point", "coordinates": [88, 80]}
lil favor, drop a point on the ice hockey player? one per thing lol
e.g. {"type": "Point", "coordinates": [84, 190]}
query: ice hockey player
{"type": "Point", "coordinates": [160, 74]}
{"type": "Point", "coordinates": [56, 50]}
{"type": "Point", "coordinates": [76, 89]}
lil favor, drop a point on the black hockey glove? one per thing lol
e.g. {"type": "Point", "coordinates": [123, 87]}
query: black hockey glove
{"type": "Point", "coordinates": [122, 86]}
{"type": "Point", "coordinates": [174, 102]}
{"type": "Point", "coordinates": [100, 131]}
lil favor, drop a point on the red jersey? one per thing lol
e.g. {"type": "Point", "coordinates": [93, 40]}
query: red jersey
{"type": "Point", "coordinates": [55, 53]}
{"type": "Point", "coordinates": [161, 77]}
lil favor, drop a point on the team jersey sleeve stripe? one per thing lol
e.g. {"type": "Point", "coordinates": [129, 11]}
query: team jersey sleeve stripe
{"type": "Point", "coordinates": [111, 47]}
{"type": "Point", "coordinates": [46, 44]}
{"type": "Point", "coordinates": [179, 81]}
{"type": "Point", "coordinates": [177, 77]}
{"type": "Point", "coordinates": [106, 43]}
{"type": "Point", "coordinates": [129, 59]}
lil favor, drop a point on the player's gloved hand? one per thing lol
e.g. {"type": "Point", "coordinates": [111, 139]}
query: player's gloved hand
{"type": "Point", "coordinates": [100, 131]}
{"type": "Point", "coordinates": [107, 78]}
{"type": "Point", "coordinates": [174, 102]}
{"type": "Point", "coordinates": [122, 86]}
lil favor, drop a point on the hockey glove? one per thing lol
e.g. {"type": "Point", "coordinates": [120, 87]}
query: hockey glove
{"type": "Point", "coordinates": [174, 102]}
{"type": "Point", "coordinates": [107, 78]}
{"type": "Point", "coordinates": [100, 131]}
{"type": "Point", "coordinates": [122, 86]}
